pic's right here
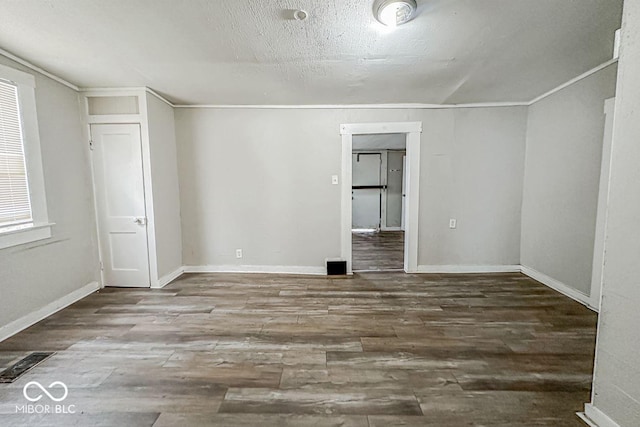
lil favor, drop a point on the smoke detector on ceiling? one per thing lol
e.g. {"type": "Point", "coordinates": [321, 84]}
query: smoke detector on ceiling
{"type": "Point", "coordinates": [300, 15]}
{"type": "Point", "coordinates": [394, 12]}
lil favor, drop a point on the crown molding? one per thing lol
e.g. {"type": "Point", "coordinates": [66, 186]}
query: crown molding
{"type": "Point", "coordinates": [114, 90]}
{"type": "Point", "coordinates": [29, 65]}
{"type": "Point", "coordinates": [355, 106]}
{"type": "Point", "coordinates": [574, 80]}
{"type": "Point", "coordinates": [407, 106]}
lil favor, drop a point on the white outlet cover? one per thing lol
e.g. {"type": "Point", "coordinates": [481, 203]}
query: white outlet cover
{"type": "Point", "coordinates": [238, 253]}
{"type": "Point", "coordinates": [453, 223]}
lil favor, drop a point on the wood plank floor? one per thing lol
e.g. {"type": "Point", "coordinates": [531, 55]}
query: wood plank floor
{"type": "Point", "coordinates": [378, 349]}
{"type": "Point", "coordinates": [380, 250]}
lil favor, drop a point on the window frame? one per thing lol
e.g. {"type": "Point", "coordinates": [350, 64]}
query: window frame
{"type": "Point", "coordinates": [40, 228]}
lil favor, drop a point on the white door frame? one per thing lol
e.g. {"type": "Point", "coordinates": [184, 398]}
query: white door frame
{"type": "Point", "coordinates": [141, 119]}
{"type": "Point", "coordinates": [413, 131]}
{"type": "Point", "coordinates": [603, 203]}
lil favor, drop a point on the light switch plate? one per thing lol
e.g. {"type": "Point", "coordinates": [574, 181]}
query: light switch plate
{"type": "Point", "coordinates": [453, 223]}
{"type": "Point", "coordinates": [334, 179]}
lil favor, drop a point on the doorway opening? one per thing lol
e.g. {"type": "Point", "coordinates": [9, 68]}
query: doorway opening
{"type": "Point", "coordinates": [380, 187]}
{"type": "Point", "coordinates": [377, 199]}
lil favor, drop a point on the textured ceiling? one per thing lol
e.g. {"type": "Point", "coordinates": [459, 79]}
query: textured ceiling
{"type": "Point", "coordinates": [385, 141]}
{"type": "Point", "coordinates": [252, 52]}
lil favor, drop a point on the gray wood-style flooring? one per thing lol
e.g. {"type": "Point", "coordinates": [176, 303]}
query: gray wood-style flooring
{"type": "Point", "coordinates": [375, 350]}
{"type": "Point", "coordinates": [379, 250]}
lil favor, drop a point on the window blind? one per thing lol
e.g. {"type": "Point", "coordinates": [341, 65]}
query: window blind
{"type": "Point", "coordinates": [15, 206]}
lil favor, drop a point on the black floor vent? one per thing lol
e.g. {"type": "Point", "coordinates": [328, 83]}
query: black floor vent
{"type": "Point", "coordinates": [20, 368]}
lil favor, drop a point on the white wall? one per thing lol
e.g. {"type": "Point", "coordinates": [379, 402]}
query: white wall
{"type": "Point", "coordinates": [260, 180]}
{"type": "Point", "coordinates": [36, 274]}
{"type": "Point", "coordinates": [166, 192]}
{"type": "Point", "coordinates": [561, 180]}
{"type": "Point", "coordinates": [617, 375]}
{"type": "Point", "coordinates": [472, 163]}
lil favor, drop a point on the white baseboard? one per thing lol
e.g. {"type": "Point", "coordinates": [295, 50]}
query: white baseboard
{"type": "Point", "coordinates": [595, 417]}
{"type": "Point", "coordinates": [275, 269]}
{"type": "Point", "coordinates": [167, 278]}
{"type": "Point", "coordinates": [559, 286]}
{"type": "Point", "coordinates": [30, 319]}
{"type": "Point", "coordinates": [468, 269]}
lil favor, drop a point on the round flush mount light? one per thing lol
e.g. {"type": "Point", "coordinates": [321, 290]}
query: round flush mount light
{"type": "Point", "coordinates": [300, 15]}
{"type": "Point", "coordinates": [394, 12]}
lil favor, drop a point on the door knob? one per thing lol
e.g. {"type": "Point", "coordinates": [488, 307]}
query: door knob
{"type": "Point", "coordinates": [140, 220]}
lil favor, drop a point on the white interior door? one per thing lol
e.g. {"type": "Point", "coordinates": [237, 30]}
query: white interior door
{"type": "Point", "coordinates": [119, 187]}
{"type": "Point", "coordinates": [366, 202]}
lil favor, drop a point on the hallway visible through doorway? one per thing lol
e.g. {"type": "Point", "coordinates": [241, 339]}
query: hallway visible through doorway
{"type": "Point", "coordinates": [378, 199]}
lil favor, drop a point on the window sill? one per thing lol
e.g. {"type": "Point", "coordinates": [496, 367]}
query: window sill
{"type": "Point", "coordinates": [21, 236]}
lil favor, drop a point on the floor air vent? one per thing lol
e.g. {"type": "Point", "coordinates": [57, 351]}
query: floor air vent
{"type": "Point", "coordinates": [21, 367]}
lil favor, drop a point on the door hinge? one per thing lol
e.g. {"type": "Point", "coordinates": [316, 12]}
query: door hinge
{"type": "Point", "coordinates": [101, 266]}
{"type": "Point", "coordinates": [91, 145]}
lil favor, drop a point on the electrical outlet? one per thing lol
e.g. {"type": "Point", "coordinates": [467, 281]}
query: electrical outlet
{"type": "Point", "coordinates": [334, 179]}
{"type": "Point", "coordinates": [453, 223]}
{"type": "Point", "coordinates": [238, 253]}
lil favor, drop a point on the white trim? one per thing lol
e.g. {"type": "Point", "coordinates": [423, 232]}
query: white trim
{"type": "Point", "coordinates": [111, 91]}
{"type": "Point", "coordinates": [560, 287]}
{"type": "Point", "coordinates": [167, 278]}
{"type": "Point", "coordinates": [574, 80]}
{"type": "Point", "coordinates": [452, 269]}
{"type": "Point", "coordinates": [25, 84]}
{"type": "Point", "coordinates": [123, 91]}
{"type": "Point", "coordinates": [272, 269]}
{"type": "Point", "coordinates": [595, 417]}
{"type": "Point", "coordinates": [160, 97]}
{"type": "Point", "coordinates": [25, 235]}
{"type": "Point", "coordinates": [346, 214]}
{"type": "Point", "coordinates": [17, 76]}
{"type": "Point", "coordinates": [152, 249]}
{"type": "Point", "coordinates": [86, 133]}
{"type": "Point", "coordinates": [412, 220]}
{"type": "Point", "coordinates": [586, 420]}
{"type": "Point", "coordinates": [410, 106]}
{"type": "Point", "coordinates": [384, 175]}
{"type": "Point", "coordinates": [142, 121]}
{"type": "Point", "coordinates": [412, 130]}
{"type": "Point", "coordinates": [38, 69]}
{"type": "Point", "coordinates": [602, 206]}
{"type": "Point", "coordinates": [32, 318]}
{"type": "Point", "coordinates": [110, 119]}
{"type": "Point", "coordinates": [380, 127]}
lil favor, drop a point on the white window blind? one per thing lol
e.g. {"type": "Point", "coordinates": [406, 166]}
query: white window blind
{"type": "Point", "coordinates": [15, 206]}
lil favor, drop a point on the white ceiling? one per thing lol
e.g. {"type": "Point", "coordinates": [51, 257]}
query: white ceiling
{"type": "Point", "coordinates": [252, 52]}
{"type": "Point", "coordinates": [385, 141]}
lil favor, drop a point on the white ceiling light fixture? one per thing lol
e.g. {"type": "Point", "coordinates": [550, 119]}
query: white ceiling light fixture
{"type": "Point", "coordinates": [394, 12]}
